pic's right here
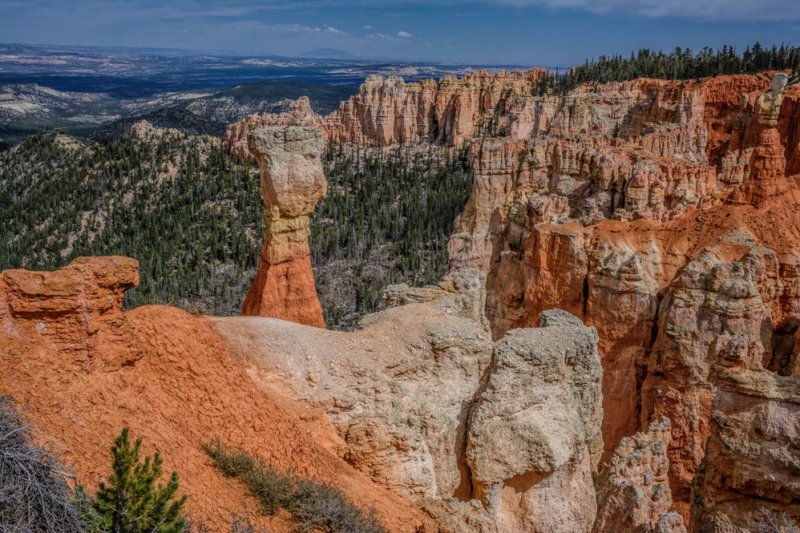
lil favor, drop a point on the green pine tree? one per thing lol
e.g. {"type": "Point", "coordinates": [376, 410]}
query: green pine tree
{"type": "Point", "coordinates": [131, 502]}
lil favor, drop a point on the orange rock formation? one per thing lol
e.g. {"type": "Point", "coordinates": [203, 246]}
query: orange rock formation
{"type": "Point", "coordinates": [81, 369]}
{"type": "Point", "coordinates": [388, 111]}
{"type": "Point", "coordinates": [666, 215]}
{"type": "Point", "coordinates": [292, 182]}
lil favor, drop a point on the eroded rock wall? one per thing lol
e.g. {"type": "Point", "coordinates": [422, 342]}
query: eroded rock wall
{"type": "Point", "coordinates": [450, 111]}
{"type": "Point", "coordinates": [633, 491]}
{"type": "Point", "coordinates": [484, 436]}
{"type": "Point", "coordinates": [664, 214]}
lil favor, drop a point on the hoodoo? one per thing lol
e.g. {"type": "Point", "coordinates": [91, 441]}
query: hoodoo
{"type": "Point", "coordinates": [292, 182]}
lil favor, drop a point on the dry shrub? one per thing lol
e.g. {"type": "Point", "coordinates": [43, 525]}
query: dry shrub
{"type": "Point", "coordinates": [313, 505]}
{"type": "Point", "coordinates": [34, 496]}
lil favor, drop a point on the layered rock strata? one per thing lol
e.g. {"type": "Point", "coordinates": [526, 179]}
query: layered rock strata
{"type": "Point", "coordinates": [292, 183]}
{"type": "Point", "coordinates": [619, 221]}
{"type": "Point", "coordinates": [451, 111]}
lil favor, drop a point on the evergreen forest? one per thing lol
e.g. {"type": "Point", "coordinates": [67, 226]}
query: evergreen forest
{"type": "Point", "coordinates": [679, 64]}
{"type": "Point", "coordinates": [194, 218]}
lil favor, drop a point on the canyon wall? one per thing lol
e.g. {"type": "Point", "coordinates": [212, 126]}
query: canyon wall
{"type": "Point", "coordinates": [664, 213]}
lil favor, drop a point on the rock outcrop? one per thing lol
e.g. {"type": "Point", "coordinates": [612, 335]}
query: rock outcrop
{"type": "Point", "coordinates": [292, 182]}
{"type": "Point", "coordinates": [387, 111]}
{"type": "Point", "coordinates": [485, 436]}
{"type": "Point", "coordinates": [634, 493]}
{"type": "Point", "coordinates": [77, 309]}
{"type": "Point", "coordinates": [80, 369]}
{"type": "Point", "coordinates": [623, 220]}
{"type": "Point", "coordinates": [532, 454]}
{"type": "Point", "coordinates": [299, 114]}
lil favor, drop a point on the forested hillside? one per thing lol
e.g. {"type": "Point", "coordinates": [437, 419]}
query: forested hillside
{"type": "Point", "coordinates": [679, 64]}
{"type": "Point", "coordinates": [194, 218]}
{"type": "Point", "coordinates": [172, 201]}
{"type": "Point", "coordinates": [386, 219]}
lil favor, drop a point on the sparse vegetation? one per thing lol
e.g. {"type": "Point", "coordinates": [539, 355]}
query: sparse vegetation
{"type": "Point", "coordinates": [776, 522]}
{"type": "Point", "coordinates": [34, 496]}
{"type": "Point", "coordinates": [386, 219]}
{"type": "Point", "coordinates": [313, 505]}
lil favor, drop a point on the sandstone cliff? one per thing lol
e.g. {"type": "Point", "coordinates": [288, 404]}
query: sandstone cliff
{"type": "Point", "coordinates": [388, 111]}
{"type": "Point", "coordinates": [665, 214]}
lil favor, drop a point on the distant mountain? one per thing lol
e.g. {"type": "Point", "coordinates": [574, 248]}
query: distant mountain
{"type": "Point", "coordinates": [327, 53]}
{"type": "Point", "coordinates": [80, 90]}
{"type": "Point", "coordinates": [28, 108]}
{"type": "Point", "coordinates": [211, 113]}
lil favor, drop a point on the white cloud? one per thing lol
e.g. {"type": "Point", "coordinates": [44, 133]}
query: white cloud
{"type": "Point", "coordinates": [762, 10]}
{"type": "Point", "coordinates": [403, 35]}
{"type": "Point", "coordinates": [300, 28]}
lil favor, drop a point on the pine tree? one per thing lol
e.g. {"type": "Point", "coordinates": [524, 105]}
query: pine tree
{"type": "Point", "coordinates": [131, 502]}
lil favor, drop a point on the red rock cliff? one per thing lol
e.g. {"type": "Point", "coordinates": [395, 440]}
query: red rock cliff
{"type": "Point", "coordinates": [666, 215]}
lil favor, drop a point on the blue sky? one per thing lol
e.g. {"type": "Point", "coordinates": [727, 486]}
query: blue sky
{"type": "Point", "coordinates": [532, 32]}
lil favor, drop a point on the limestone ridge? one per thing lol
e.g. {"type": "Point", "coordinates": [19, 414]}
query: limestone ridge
{"type": "Point", "coordinates": [292, 182]}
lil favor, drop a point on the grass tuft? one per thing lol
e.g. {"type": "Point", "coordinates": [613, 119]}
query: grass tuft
{"type": "Point", "coordinates": [313, 505]}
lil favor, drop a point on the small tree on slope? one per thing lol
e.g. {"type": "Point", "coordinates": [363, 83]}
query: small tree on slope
{"type": "Point", "coordinates": [130, 502]}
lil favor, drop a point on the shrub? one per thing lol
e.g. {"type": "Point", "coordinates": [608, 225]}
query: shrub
{"type": "Point", "coordinates": [34, 497]}
{"type": "Point", "coordinates": [131, 502]}
{"type": "Point", "coordinates": [312, 504]}
{"type": "Point", "coordinates": [776, 522]}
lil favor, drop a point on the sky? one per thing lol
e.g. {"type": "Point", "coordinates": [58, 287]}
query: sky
{"type": "Point", "coordinates": [548, 33]}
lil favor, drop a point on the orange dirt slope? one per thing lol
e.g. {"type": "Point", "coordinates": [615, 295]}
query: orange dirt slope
{"type": "Point", "coordinates": [81, 369]}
